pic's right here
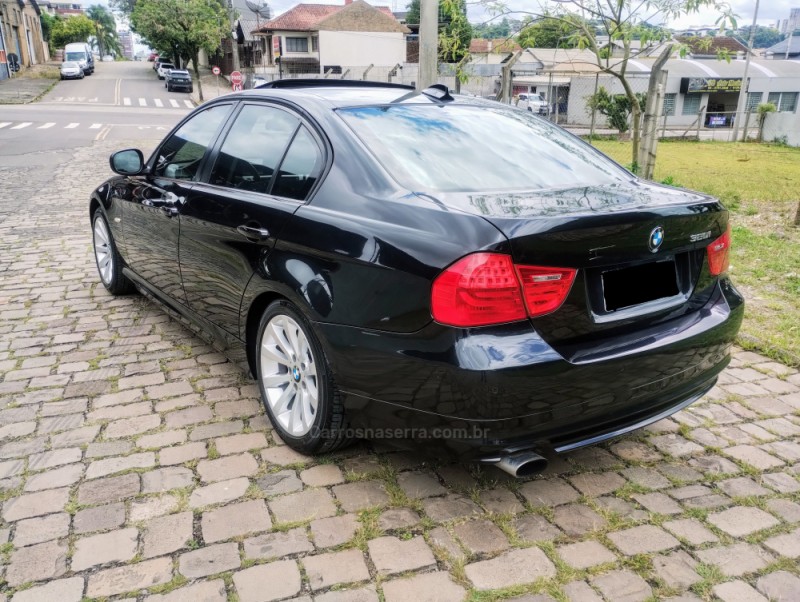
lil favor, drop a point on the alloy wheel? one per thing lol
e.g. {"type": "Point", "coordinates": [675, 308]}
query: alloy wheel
{"type": "Point", "coordinates": [103, 252]}
{"type": "Point", "coordinates": [289, 375]}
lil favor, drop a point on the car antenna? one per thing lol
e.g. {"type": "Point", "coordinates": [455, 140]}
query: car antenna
{"type": "Point", "coordinates": [438, 92]}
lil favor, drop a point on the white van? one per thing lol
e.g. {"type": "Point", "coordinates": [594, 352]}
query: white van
{"type": "Point", "coordinates": [81, 53]}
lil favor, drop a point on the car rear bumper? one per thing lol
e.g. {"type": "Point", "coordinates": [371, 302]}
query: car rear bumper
{"type": "Point", "coordinates": [481, 391]}
{"type": "Point", "coordinates": [181, 86]}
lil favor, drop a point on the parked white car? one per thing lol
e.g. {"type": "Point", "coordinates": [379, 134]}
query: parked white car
{"type": "Point", "coordinates": [533, 102]}
{"type": "Point", "coordinates": [163, 68]}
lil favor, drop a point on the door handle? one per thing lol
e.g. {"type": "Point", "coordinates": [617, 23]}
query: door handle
{"type": "Point", "coordinates": [169, 210]}
{"type": "Point", "coordinates": [253, 232]}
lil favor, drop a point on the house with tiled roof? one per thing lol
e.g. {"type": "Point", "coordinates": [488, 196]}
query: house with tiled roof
{"type": "Point", "coordinates": [325, 38]}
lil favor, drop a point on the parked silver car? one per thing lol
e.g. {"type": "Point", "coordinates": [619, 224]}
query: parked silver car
{"type": "Point", "coordinates": [71, 70]}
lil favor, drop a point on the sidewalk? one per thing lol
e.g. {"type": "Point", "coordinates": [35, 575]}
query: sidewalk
{"type": "Point", "coordinates": [213, 86]}
{"type": "Point", "coordinates": [22, 90]}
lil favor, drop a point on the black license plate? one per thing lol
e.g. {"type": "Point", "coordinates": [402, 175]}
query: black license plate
{"type": "Point", "coordinates": [627, 287]}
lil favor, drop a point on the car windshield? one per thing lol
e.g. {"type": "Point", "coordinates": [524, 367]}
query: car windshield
{"type": "Point", "coordinates": [69, 65]}
{"type": "Point", "coordinates": [167, 66]}
{"type": "Point", "coordinates": [453, 148]}
{"type": "Point", "coordinates": [75, 56]}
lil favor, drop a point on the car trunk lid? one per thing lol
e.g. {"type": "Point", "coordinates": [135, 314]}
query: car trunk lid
{"type": "Point", "coordinates": [639, 249]}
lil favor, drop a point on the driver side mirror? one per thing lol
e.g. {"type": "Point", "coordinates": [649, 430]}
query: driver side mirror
{"type": "Point", "coordinates": [128, 162]}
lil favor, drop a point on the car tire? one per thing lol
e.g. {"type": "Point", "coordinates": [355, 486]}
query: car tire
{"type": "Point", "coordinates": [107, 257]}
{"type": "Point", "coordinates": [62, 78]}
{"type": "Point", "coordinates": [291, 366]}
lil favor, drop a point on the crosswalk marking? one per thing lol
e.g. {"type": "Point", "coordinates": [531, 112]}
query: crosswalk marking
{"type": "Point", "coordinates": [46, 125]}
{"type": "Point", "coordinates": [71, 126]}
{"type": "Point", "coordinates": [4, 124]}
{"type": "Point", "coordinates": [24, 124]}
{"type": "Point", "coordinates": [158, 102]}
{"type": "Point", "coordinates": [188, 103]}
{"type": "Point", "coordinates": [95, 126]}
{"type": "Point", "coordinates": [126, 101]}
{"type": "Point", "coordinates": [174, 102]}
{"type": "Point", "coordinates": [142, 102]}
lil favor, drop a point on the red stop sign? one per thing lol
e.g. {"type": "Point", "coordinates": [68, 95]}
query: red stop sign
{"type": "Point", "coordinates": [237, 77]}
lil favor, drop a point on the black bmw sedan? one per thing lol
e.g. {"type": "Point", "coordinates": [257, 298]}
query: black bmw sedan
{"type": "Point", "coordinates": [442, 271]}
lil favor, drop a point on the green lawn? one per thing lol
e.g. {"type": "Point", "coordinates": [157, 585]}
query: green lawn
{"type": "Point", "coordinates": [760, 184]}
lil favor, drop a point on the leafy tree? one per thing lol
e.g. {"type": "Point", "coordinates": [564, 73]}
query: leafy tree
{"type": "Point", "coordinates": [73, 29]}
{"type": "Point", "coordinates": [182, 26]}
{"type": "Point", "coordinates": [764, 109]}
{"type": "Point", "coordinates": [105, 30]}
{"type": "Point", "coordinates": [616, 107]}
{"type": "Point", "coordinates": [548, 33]}
{"type": "Point", "coordinates": [496, 30]}
{"type": "Point", "coordinates": [764, 38]}
{"type": "Point", "coordinates": [622, 21]}
{"type": "Point", "coordinates": [455, 30]}
{"type": "Point", "coordinates": [48, 23]}
{"type": "Point", "coordinates": [123, 6]}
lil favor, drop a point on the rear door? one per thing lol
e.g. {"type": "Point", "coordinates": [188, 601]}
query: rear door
{"type": "Point", "coordinates": [262, 171]}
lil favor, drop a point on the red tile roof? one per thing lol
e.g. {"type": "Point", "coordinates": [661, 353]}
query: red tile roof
{"type": "Point", "coordinates": [706, 45]}
{"type": "Point", "coordinates": [305, 17]}
{"type": "Point", "coordinates": [499, 46]}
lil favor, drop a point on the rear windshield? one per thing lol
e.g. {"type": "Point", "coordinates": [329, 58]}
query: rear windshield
{"type": "Point", "coordinates": [453, 148]}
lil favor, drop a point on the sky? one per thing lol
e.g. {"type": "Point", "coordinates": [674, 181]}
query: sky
{"type": "Point", "coordinates": [769, 11]}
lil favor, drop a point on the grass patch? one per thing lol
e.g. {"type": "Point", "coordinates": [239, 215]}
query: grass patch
{"type": "Point", "coordinates": [758, 183]}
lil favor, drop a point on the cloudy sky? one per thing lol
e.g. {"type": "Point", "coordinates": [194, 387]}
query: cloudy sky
{"type": "Point", "coordinates": [769, 11]}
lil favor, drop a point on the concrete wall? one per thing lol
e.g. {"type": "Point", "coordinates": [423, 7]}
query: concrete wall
{"type": "Point", "coordinates": [780, 125]}
{"type": "Point", "coordinates": [352, 48]}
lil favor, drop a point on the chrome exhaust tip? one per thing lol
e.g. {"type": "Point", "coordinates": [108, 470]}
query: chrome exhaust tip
{"type": "Point", "coordinates": [522, 464]}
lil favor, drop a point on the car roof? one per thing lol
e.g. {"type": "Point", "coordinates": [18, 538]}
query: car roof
{"type": "Point", "coordinates": [349, 95]}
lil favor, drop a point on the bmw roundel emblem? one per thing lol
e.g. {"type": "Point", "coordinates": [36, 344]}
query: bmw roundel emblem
{"type": "Point", "coordinates": [656, 238]}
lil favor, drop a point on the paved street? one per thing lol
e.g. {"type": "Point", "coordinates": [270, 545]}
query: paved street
{"type": "Point", "coordinates": [136, 462]}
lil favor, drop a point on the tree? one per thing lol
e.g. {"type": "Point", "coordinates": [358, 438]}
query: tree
{"type": "Point", "coordinates": [622, 21]}
{"type": "Point", "coordinates": [764, 109]}
{"type": "Point", "coordinates": [496, 30]}
{"type": "Point", "coordinates": [764, 38]}
{"type": "Point", "coordinates": [455, 30]}
{"type": "Point", "coordinates": [616, 107]}
{"type": "Point", "coordinates": [48, 23]}
{"type": "Point", "coordinates": [105, 30]}
{"type": "Point", "coordinates": [73, 29]}
{"type": "Point", "coordinates": [548, 33]}
{"type": "Point", "coordinates": [182, 26]}
{"type": "Point", "coordinates": [123, 6]}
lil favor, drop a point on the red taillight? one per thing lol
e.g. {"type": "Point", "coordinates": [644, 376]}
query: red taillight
{"type": "Point", "coordinates": [484, 288]}
{"type": "Point", "coordinates": [544, 289]}
{"type": "Point", "coordinates": [719, 254]}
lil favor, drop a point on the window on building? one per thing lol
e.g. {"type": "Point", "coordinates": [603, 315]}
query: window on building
{"type": "Point", "coordinates": [753, 100]}
{"type": "Point", "coordinates": [314, 44]}
{"type": "Point", "coordinates": [691, 104]}
{"type": "Point", "coordinates": [669, 104]}
{"type": "Point", "coordinates": [296, 44]}
{"type": "Point", "coordinates": [784, 101]}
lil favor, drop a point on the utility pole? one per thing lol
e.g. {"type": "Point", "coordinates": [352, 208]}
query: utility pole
{"type": "Point", "coordinates": [428, 43]}
{"type": "Point", "coordinates": [234, 36]}
{"type": "Point", "coordinates": [741, 105]}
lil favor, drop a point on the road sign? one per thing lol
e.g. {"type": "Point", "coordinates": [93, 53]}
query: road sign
{"type": "Point", "coordinates": [215, 70]}
{"type": "Point", "coordinates": [237, 87]}
{"type": "Point", "coordinates": [237, 77]}
{"type": "Point", "coordinates": [13, 62]}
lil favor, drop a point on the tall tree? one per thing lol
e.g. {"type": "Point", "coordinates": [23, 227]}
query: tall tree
{"type": "Point", "coordinates": [123, 6]}
{"type": "Point", "coordinates": [48, 23]}
{"type": "Point", "coordinates": [548, 33]}
{"type": "Point", "coordinates": [621, 21]}
{"type": "Point", "coordinates": [74, 29]}
{"type": "Point", "coordinates": [183, 26]}
{"type": "Point", "coordinates": [764, 38]}
{"type": "Point", "coordinates": [455, 30]}
{"type": "Point", "coordinates": [105, 30]}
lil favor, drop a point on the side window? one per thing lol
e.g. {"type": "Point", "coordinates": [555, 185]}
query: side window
{"type": "Point", "coordinates": [179, 157]}
{"type": "Point", "coordinates": [253, 148]}
{"type": "Point", "coordinates": [300, 168]}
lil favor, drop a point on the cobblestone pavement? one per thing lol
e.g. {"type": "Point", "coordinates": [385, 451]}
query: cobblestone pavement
{"type": "Point", "coordinates": [136, 463]}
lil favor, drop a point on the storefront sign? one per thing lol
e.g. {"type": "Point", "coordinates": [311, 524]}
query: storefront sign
{"type": "Point", "coordinates": [699, 85]}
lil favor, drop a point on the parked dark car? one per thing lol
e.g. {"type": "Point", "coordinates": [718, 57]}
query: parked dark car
{"type": "Point", "coordinates": [389, 274]}
{"type": "Point", "coordinates": [178, 79]}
